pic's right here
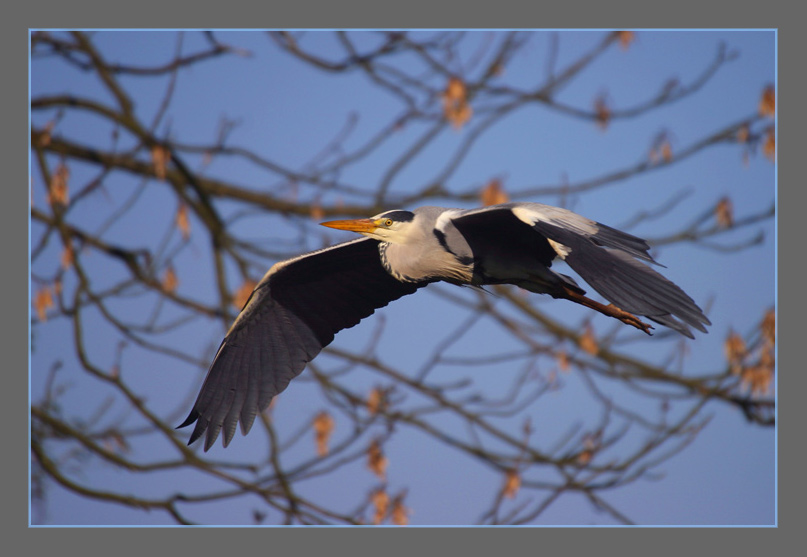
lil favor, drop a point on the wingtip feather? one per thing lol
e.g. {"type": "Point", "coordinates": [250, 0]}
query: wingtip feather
{"type": "Point", "coordinates": [192, 417]}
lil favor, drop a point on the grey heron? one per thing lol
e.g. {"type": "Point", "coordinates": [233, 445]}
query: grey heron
{"type": "Point", "coordinates": [301, 303]}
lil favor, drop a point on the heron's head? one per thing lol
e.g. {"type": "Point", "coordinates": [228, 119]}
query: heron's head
{"type": "Point", "coordinates": [391, 226]}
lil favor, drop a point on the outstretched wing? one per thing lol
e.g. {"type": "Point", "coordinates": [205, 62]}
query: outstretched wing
{"type": "Point", "coordinates": [295, 311]}
{"type": "Point", "coordinates": [606, 259]}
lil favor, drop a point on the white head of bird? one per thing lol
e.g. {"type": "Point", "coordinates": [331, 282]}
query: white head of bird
{"type": "Point", "coordinates": [394, 227]}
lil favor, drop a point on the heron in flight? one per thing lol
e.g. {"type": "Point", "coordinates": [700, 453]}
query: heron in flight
{"type": "Point", "coordinates": [301, 303]}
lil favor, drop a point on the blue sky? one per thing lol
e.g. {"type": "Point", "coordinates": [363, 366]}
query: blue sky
{"type": "Point", "coordinates": [289, 113]}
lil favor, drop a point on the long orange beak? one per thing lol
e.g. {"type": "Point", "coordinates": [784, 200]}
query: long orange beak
{"type": "Point", "coordinates": [356, 225]}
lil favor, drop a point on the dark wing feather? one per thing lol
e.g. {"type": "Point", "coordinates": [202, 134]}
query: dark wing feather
{"type": "Point", "coordinates": [293, 313]}
{"type": "Point", "coordinates": [499, 231]}
{"type": "Point", "coordinates": [605, 260]}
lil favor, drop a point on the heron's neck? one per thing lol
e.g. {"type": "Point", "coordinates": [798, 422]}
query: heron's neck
{"type": "Point", "coordinates": [412, 263]}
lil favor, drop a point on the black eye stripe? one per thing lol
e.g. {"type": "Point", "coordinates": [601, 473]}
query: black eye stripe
{"type": "Point", "coordinates": [398, 216]}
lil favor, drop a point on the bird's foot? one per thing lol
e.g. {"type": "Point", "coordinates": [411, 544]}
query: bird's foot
{"type": "Point", "coordinates": [610, 310]}
{"type": "Point", "coordinates": [629, 319]}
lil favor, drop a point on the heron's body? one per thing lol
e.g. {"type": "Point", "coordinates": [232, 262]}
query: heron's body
{"type": "Point", "coordinates": [301, 303]}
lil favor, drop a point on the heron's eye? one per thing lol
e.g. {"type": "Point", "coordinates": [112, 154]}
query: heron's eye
{"type": "Point", "coordinates": [388, 223]}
